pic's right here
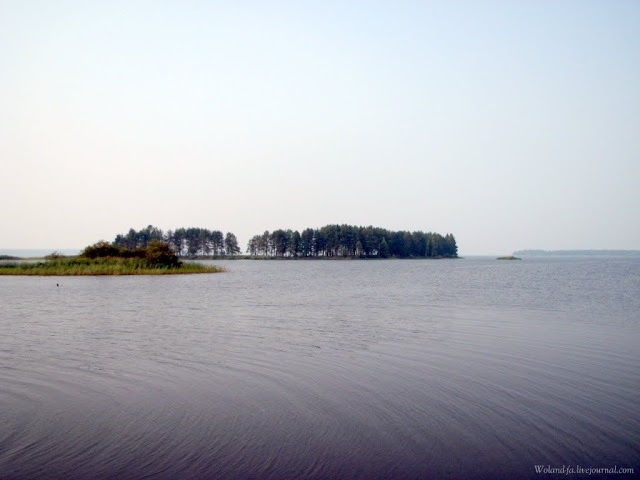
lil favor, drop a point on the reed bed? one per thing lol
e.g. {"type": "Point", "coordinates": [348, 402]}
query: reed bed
{"type": "Point", "coordinates": [101, 266]}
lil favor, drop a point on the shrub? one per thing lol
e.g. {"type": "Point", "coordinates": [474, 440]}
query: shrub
{"type": "Point", "coordinates": [101, 249]}
{"type": "Point", "coordinates": [55, 256]}
{"type": "Point", "coordinates": [157, 254]}
{"type": "Point", "coordinates": [160, 254]}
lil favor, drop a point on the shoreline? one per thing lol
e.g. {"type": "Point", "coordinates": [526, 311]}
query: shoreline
{"type": "Point", "coordinates": [77, 266]}
{"type": "Point", "coordinates": [311, 258]}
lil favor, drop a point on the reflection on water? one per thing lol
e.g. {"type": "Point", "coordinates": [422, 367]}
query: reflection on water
{"type": "Point", "coordinates": [373, 369]}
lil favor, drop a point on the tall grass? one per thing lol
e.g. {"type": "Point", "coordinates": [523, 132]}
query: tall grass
{"type": "Point", "coordinates": [101, 266]}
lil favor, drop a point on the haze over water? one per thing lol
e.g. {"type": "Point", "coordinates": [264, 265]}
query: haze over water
{"type": "Point", "coordinates": [470, 368]}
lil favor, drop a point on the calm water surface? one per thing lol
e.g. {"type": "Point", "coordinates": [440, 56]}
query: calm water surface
{"type": "Point", "coordinates": [470, 368]}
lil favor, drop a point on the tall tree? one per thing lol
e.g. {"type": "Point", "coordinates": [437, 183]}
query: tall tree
{"type": "Point", "coordinates": [306, 242]}
{"type": "Point", "coordinates": [319, 243]}
{"type": "Point", "coordinates": [384, 248]}
{"type": "Point", "coordinates": [280, 240]}
{"type": "Point", "coordinates": [217, 242]}
{"type": "Point", "coordinates": [231, 244]}
{"type": "Point", "coordinates": [265, 243]}
{"type": "Point", "coordinates": [294, 243]}
{"type": "Point", "coordinates": [252, 245]}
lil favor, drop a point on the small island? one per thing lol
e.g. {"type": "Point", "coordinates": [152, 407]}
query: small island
{"type": "Point", "coordinates": [104, 258]}
{"type": "Point", "coordinates": [509, 257]}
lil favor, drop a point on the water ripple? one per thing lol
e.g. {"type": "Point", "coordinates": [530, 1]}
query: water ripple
{"type": "Point", "coordinates": [468, 369]}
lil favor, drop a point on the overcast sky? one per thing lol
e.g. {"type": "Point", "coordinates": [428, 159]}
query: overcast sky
{"type": "Point", "coordinates": [509, 124]}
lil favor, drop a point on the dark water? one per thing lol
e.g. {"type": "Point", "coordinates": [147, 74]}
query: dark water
{"type": "Point", "coordinates": [472, 368]}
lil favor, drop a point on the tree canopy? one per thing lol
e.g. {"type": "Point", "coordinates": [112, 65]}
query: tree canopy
{"type": "Point", "coordinates": [352, 241]}
{"type": "Point", "coordinates": [329, 241]}
{"type": "Point", "coordinates": [190, 241]}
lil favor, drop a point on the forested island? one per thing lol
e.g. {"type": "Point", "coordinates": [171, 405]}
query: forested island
{"type": "Point", "coordinates": [352, 242]}
{"type": "Point", "coordinates": [103, 258]}
{"type": "Point", "coordinates": [330, 241]}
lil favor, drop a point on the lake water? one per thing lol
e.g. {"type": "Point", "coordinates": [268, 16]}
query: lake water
{"type": "Point", "coordinates": [471, 368]}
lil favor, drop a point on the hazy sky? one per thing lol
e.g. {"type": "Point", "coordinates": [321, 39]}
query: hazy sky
{"type": "Point", "coordinates": [509, 124]}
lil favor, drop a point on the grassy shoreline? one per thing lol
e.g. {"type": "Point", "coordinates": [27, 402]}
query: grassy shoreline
{"type": "Point", "coordinates": [78, 266]}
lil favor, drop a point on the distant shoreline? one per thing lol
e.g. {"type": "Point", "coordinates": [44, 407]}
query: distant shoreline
{"type": "Point", "coordinates": [579, 252]}
{"type": "Point", "coordinates": [34, 253]}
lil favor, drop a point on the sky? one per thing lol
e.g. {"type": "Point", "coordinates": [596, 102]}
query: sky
{"type": "Point", "coordinates": [512, 125]}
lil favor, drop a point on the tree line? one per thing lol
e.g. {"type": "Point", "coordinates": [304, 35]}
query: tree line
{"type": "Point", "coordinates": [191, 241]}
{"type": "Point", "coordinates": [352, 241]}
{"type": "Point", "coordinates": [328, 241]}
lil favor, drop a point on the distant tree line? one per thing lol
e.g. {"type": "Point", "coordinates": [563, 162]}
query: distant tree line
{"type": "Point", "coordinates": [184, 241]}
{"type": "Point", "coordinates": [328, 241]}
{"type": "Point", "coordinates": [352, 241]}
